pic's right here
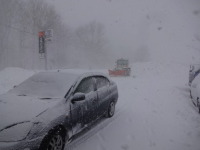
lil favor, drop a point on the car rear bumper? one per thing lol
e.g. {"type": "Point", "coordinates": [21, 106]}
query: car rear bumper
{"type": "Point", "coordinates": [21, 145]}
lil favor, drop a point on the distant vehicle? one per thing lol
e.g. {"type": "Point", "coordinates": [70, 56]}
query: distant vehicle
{"type": "Point", "coordinates": [194, 71]}
{"type": "Point", "coordinates": [122, 68]}
{"type": "Point", "coordinates": [195, 92]}
{"type": "Point", "coordinates": [48, 109]}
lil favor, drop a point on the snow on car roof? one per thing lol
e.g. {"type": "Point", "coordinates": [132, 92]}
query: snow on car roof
{"type": "Point", "coordinates": [49, 84]}
{"type": "Point", "coordinates": [46, 84]}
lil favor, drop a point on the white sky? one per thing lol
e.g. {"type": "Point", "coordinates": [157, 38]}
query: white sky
{"type": "Point", "coordinates": [165, 27]}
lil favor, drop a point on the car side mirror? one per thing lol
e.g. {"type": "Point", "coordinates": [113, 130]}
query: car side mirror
{"type": "Point", "coordinates": [78, 97]}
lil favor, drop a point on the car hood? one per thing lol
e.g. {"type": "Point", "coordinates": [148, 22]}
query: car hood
{"type": "Point", "coordinates": [15, 109]}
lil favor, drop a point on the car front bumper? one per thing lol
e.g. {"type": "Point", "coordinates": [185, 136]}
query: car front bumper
{"type": "Point", "coordinates": [22, 145]}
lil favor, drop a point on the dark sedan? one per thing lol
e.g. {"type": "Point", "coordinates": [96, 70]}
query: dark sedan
{"type": "Point", "coordinates": [48, 109]}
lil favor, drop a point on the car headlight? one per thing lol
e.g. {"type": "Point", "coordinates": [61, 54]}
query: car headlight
{"type": "Point", "coordinates": [36, 130]}
{"type": "Point", "coordinates": [15, 132]}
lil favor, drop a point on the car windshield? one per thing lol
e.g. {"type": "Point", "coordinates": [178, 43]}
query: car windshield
{"type": "Point", "coordinates": [46, 85]}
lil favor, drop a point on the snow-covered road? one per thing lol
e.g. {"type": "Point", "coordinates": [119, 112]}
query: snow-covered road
{"type": "Point", "coordinates": [154, 112]}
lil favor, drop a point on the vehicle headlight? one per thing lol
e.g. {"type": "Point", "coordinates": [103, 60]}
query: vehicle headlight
{"type": "Point", "coordinates": [36, 130]}
{"type": "Point", "coordinates": [15, 132]}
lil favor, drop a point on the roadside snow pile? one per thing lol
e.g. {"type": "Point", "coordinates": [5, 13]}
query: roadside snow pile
{"type": "Point", "coordinates": [10, 77]}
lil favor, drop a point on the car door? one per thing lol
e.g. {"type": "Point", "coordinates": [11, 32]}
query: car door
{"type": "Point", "coordinates": [103, 94]}
{"type": "Point", "coordinates": [85, 108]}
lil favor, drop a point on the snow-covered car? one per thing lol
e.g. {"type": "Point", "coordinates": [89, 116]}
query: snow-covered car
{"type": "Point", "coordinates": [195, 92]}
{"type": "Point", "coordinates": [48, 109]}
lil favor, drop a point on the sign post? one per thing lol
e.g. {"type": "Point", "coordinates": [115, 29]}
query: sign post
{"type": "Point", "coordinates": [43, 37]}
{"type": "Point", "coordinates": [41, 42]}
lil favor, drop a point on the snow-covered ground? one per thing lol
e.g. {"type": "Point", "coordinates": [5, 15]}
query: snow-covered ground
{"type": "Point", "coordinates": [154, 111]}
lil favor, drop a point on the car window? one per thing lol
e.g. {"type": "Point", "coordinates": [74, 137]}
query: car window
{"type": "Point", "coordinates": [101, 82]}
{"type": "Point", "coordinates": [85, 86]}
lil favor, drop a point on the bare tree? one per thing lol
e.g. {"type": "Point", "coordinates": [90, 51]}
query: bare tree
{"type": "Point", "coordinates": [20, 23]}
{"type": "Point", "coordinates": [91, 41]}
{"type": "Point", "coordinates": [22, 20]}
{"type": "Point", "coordinates": [6, 16]}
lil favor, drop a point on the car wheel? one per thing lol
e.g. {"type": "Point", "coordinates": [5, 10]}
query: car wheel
{"type": "Point", "coordinates": [54, 141]}
{"type": "Point", "coordinates": [111, 109]}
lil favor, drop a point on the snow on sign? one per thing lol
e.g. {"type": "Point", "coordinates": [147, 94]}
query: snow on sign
{"type": "Point", "coordinates": [41, 42]}
{"type": "Point", "coordinates": [49, 34]}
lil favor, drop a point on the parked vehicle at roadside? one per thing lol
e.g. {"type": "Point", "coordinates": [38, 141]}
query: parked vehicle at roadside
{"type": "Point", "coordinates": [48, 109]}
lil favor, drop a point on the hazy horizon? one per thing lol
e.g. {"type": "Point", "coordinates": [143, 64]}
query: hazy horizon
{"type": "Point", "coordinates": [166, 30]}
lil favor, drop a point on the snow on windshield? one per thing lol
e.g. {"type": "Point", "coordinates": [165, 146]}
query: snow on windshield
{"type": "Point", "coordinates": [46, 85]}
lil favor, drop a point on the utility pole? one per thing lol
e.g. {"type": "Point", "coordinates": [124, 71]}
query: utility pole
{"type": "Point", "coordinates": [45, 57]}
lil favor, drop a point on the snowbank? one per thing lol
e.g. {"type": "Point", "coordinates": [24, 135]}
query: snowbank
{"type": "Point", "coordinates": [10, 77]}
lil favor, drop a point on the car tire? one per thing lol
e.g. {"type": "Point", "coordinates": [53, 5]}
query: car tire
{"type": "Point", "coordinates": [111, 109]}
{"type": "Point", "coordinates": [54, 140]}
